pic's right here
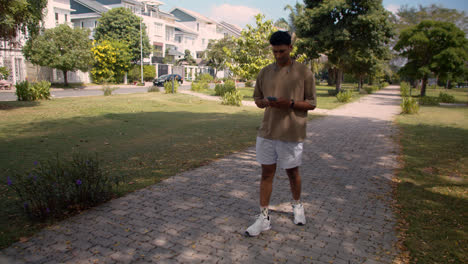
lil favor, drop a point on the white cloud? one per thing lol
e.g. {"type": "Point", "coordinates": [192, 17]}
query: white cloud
{"type": "Point", "coordinates": [238, 15]}
{"type": "Point", "coordinates": [392, 8]}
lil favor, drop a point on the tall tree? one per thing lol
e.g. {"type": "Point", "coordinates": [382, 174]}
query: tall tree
{"type": "Point", "coordinates": [122, 25]}
{"type": "Point", "coordinates": [111, 61]}
{"type": "Point", "coordinates": [20, 16]}
{"type": "Point", "coordinates": [215, 52]}
{"type": "Point", "coordinates": [188, 58]}
{"type": "Point", "coordinates": [411, 16]}
{"type": "Point", "coordinates": [63, 48]}
{"type": "Point", "coordinates": [251, 51]}
{"type": "Point", "coordinates": [432, 47]}
{"type": "Point", "coordinates": [341, 27]}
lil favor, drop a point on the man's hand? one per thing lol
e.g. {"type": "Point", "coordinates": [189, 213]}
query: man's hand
{"type": "Point", "coordinates": [262, 103]}
{"type": "Point", "coordinates": [280, 103]}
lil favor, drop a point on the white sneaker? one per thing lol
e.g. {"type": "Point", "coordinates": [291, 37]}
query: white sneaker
{"type": "Point", "coordinates": [299, 216]}
{"type": "Point", "coordinates": [261, 224]}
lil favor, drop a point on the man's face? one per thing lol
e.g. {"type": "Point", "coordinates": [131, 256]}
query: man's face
{"type": "Point", "coordinates": [281, 53]}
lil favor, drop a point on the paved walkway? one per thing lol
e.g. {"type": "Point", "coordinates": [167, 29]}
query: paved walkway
{"type": "Point", "coordinates": [199, 216]}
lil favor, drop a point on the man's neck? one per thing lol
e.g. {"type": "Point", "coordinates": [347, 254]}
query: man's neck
{"type": "Point", "coordinates": [289, 62]}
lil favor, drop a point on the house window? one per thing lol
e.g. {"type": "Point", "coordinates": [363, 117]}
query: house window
{"type": "Point", "coordinates": [95, 23]}
{"type": "Point", "coordinates": [82, 24]}
{"type": "Point", "coordinates": [158, 29]}
{"type": "Point", "coordinates": [203, 41]}
{"type": "Point", "coordinates": [198, 26]}
{"type": "Point", "coordinates": [56, 18]}
{"type": "Point", "coordinates": [66, 17]}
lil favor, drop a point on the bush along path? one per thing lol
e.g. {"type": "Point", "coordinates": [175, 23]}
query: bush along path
{"type": "Point", "coordinates": [200, 216]}
{"type": "Point", "coordinates": [246, 103]}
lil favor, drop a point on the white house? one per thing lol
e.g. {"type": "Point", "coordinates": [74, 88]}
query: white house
{"type": "Point", "coordinates": [56, 12]}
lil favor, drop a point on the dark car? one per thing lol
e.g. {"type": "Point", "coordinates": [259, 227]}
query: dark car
{"type": "Point", "coordinates": [167, 78]}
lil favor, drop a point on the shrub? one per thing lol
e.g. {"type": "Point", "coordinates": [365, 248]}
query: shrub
{"type": "Point", "coordinates": [446, 98]}
{"type": "Point", "coordinates": [344, 96]}
{"type": "Point", "coordinates": [199, 86]}
{"type": "Point", "coordinates": [205, 77]}
{"type": "Point", "coordinates": [429, 100]}
{"type": "Point", "coordinates": [26, 91]}
{"type": "Point", "coordinates": [149, 73]}
{"type": "Point", "coordinates": [404, 89]}
{"type": "Point", "coordinates": [108, 90]}
{"type": "Point", "coordinates": [168, 87]}
{"type": "Point", "coordinates": [58, 186]}
{"type": "Point", "coordinates": [153, 89]}
{"type": "Point", "coordinates": [4, 73]}
{"type": "Point", "coordinates": [222, 89]}
{"type": "Point", "coordinates": [371, 88]}
{"type": "Point", "coordinates": [249, 84]}
{"type": "Point", "coordinates": [332, 92]}
{"type": "Point", "coordinates": [383, 85]}
{"type": "Point", "coordinates": [232, 98]}
{"type": "Point", "coordinates": [409, 105]}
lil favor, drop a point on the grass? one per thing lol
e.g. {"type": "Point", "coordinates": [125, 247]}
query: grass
{"type": "Point", "coordinates": [324, 100]}
{"type": "Point", "coordinates": [460, 94]}
{"type": "Point", "coordinates": [432, 189]}
{"type": "Point", "coordinates": [144, 137]}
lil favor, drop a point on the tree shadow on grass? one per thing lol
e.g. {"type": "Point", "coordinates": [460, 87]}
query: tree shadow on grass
{"type": "Point", "coordinates": [6, 106]}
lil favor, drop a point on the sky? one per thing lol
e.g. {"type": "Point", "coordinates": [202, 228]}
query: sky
{"type": "Point", "coordinates": [242, 12]}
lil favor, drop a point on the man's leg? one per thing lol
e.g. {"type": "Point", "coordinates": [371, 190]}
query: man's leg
{"type": "Point", "coordinates": [266, 184]}
{"type": "Point", "coordinates": [295, 182]}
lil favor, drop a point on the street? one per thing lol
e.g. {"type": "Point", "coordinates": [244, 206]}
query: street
{"type": "Point", "coordinates": [93, 91]}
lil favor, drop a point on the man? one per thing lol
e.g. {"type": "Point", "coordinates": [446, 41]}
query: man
{"type": "Point", "coordinates": [287, 90]}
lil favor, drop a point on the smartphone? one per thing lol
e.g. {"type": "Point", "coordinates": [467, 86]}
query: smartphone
{"type": "Point", "coordinates": [271, 98]}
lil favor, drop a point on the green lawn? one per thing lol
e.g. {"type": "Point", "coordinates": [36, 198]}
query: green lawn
{"type": "Point", "coordinates": [324, 100]}
{"type": "Point", "coordinates": [432, 188]}
{"type": "Point", "coordinates": [144, 137]}
{"type": "Point", "coordinates": [460, 94]}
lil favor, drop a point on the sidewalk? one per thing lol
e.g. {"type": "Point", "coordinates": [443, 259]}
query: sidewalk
{"type": "Point", "coordinates": [199, 216]}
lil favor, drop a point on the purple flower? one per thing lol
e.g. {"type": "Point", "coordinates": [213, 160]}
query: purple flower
{"type": "Point", "coordinates": [47, 210]}
{"type": "Point", "coordinates": [35, 163]}
{"type": "Point", "coordinates": [78, 182]}
{"type": "Point", "coordinates": [9, 182]}
{"type": "Point", "coordinates": [25, 205]}
{"type": "Point", "coordinates": [35, 177]}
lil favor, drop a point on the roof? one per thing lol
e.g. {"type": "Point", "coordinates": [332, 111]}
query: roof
{"type": "Point", "coordinates": [151, 2]}
{"type": "Point", "coordinates": [234, 29]}
{"type": "Point", "coordinates": [195, 15]}
{"type": "Point", "coordinates": [184, 28]}
{"type": "Point", "coordinates": [93, 5]}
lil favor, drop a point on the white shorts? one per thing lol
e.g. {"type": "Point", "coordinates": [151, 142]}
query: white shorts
{"type": "Point", "coordinates": [287, 155]}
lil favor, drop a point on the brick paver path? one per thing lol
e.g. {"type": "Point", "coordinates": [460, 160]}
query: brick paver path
{"type": "Point", "coordinates": [199, 216]}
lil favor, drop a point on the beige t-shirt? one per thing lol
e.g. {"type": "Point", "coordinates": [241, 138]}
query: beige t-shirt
{"type": "Point", "coordinates": [294, 81]}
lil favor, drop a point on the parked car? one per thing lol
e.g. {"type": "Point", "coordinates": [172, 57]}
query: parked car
{"type": "Point", "coordinates": [167, 78]}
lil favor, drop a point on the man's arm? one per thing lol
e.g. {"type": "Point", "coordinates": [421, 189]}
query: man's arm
{"type": "Point", "coordinates": [286, 103]}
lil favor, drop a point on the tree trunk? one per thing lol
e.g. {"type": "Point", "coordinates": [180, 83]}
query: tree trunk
{"type": "Point", "coordinates": [339, 77]}
{"type": "Point", "coordinates": [423, 86]}
{"type": "Point", "coordinates": [65, 78]}
{"type": "Point", "coordinates": [331, 76]}
{"type": "Point", "coordinates": [361, 80]}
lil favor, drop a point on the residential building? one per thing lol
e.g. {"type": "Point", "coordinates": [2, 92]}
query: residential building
{"type": "Point", "coordinates": [57, 12]}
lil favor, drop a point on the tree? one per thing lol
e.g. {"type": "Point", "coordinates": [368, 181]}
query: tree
{"type": "Point", "coordinates": [215, 53]}
{"type": "Point", "coordinates": [111, 61]}
{"type": "Point", "coordinates": [251, 51]}
{"type": "Point", "coordinates": [342, 27]}
{"type": "Point", "coordinates": [122, 25]}
{"type": "Point", "coordinates": [411, 16]}
{"type": "Point", "coordinates": [187, 58]}
{"type": "Point", "coordinates": [432, 47]}
{"type": "Point", "coordinates": [61, 48]}
{"type": "Point", "coordinates": [20, 16]}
